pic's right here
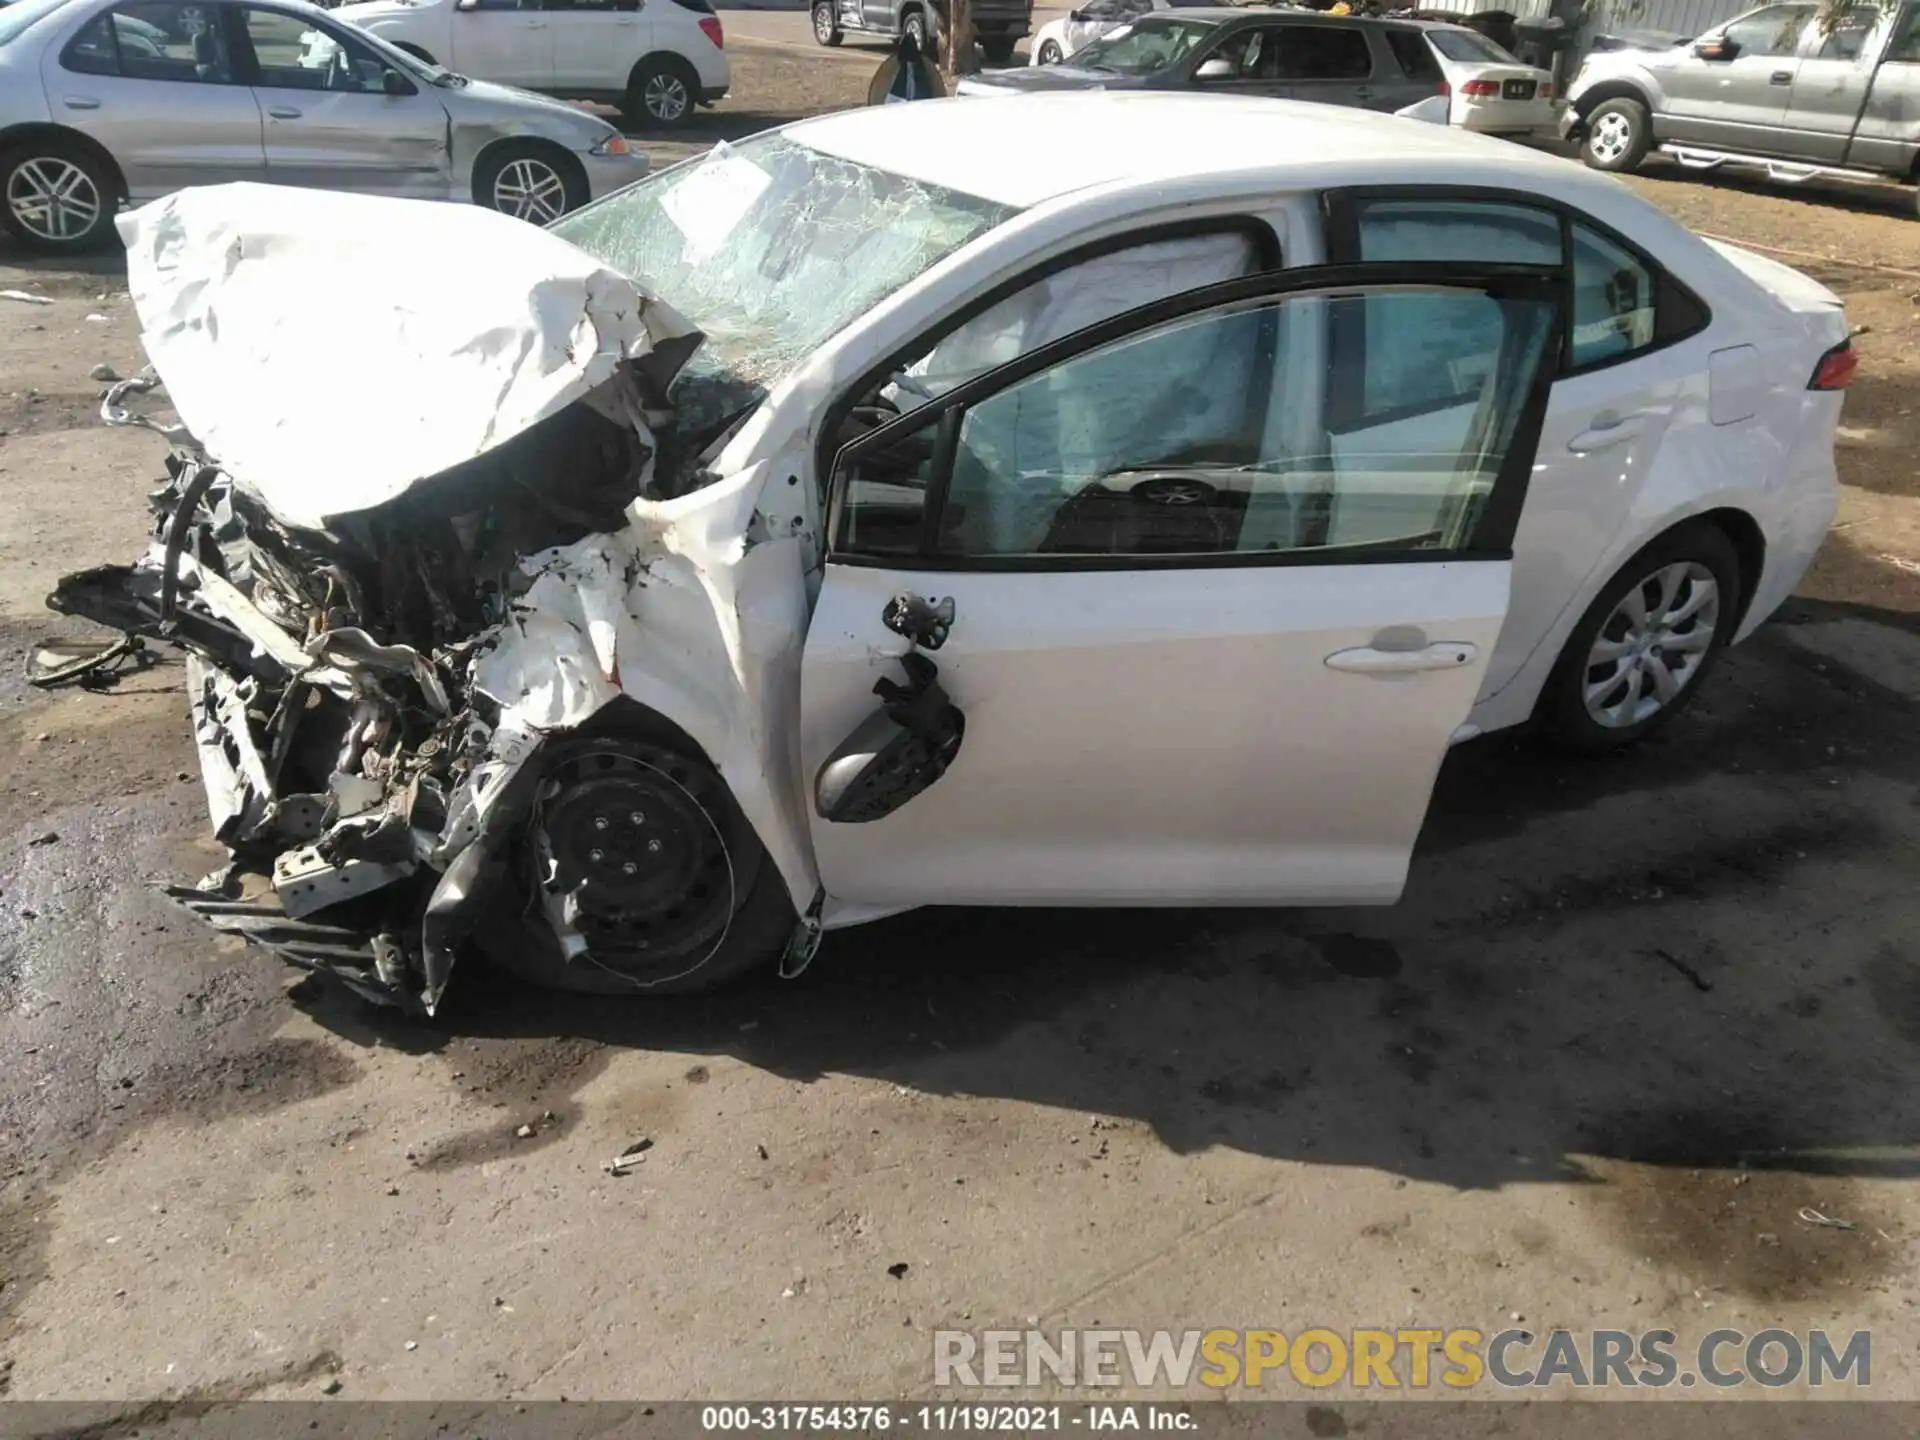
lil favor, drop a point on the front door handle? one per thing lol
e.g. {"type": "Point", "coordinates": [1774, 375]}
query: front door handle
{"type": "Point", "coordinates": [79, 102]}
{"type": "Point", "coordinates": [1365, 660]}
{"type": "Point", "coordinates": [1606, 430]}
{"type": "Point", "coordinates": [1780, 77]}
{"type": "Point", "coordinates": [283, 112]}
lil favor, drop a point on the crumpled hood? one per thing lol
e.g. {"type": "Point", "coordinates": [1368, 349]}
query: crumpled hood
{"type": "Point", "coordinates": [330, 351]}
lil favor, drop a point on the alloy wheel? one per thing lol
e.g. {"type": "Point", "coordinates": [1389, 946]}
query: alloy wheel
{"type": "Point", "coordinates": [823, 23]}
{"type": "Point", "coordinates": [665, 97]}
{"type": "Point", "coordinates": [530, 189]}
{"type": "Point", "coordinates": [53, 199]}
{"type": "Point", "coordinates": [1611, 137]}
{"type": "Point", "coordinates": [1049, 54]}
{"type": "Point", "coordinates": [1652, 646]}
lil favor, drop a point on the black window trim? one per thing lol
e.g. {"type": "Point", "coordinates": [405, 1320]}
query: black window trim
{"type": "Point", "coordinates": [1493, 535]}
{"type": "Point", "coordinates": [1340, 215]}
{"type": "Point", "coordinates": [1267, 251]}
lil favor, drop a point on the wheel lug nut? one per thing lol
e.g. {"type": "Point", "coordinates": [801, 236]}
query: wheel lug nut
{"type": "Point", "coordinates": [629, 868]}
{"type": "Point", "coordinates": [637, 818]}
{"type": "Point", "coordinates": [599, 822]}
{"type": "Point", "coordinates": [653, 847]}
{"type": "Point", "coordinates": [596, 856]}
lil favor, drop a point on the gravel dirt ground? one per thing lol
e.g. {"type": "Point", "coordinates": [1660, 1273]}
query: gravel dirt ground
{"type": "Point", "coordinates": [1632, 1019]}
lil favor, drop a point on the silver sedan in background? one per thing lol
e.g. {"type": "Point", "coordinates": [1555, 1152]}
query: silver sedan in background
{"type": "Point", "coordinates": [111, 101]}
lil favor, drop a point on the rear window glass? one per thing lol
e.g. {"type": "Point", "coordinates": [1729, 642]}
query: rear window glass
{"type": "Point", "coordinates": [1467, 46]}
{"type": "Point", "coordinates": [1410, 49]}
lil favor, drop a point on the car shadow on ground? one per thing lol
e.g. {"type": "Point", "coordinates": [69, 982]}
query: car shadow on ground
{"type": "Point", "coordinates": [1651, 957]}
{"type": "Point", "coordinates": [1889, 199]}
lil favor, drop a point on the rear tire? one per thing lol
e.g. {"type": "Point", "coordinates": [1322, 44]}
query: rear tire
{"type": "Point", "coordinates": [663, 93]}
{"type": "Point", "coordinates": [1592, 701]}
{"type": "Point", "coordinates": [1619, 134]}
{"type": "Point", "coordinates": [1049, 53]}
{"type": "Point", "coordinates": [998, 50]}
{"type": "Point", "coordinates": [57, 196]}
{"type": "Point", "coordinates": [915, 24]}
{"type": "Point", "coordinates": [826, 25]}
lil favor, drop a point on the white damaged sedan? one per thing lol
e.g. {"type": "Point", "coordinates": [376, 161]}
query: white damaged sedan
{"type": "Point", "coordinates": [1021, 504]}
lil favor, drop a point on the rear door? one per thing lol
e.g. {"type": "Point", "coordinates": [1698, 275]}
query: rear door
{"type": "Point", "coordinates": [1831, 82]}
{"type": "Point", "coordinates": [1633, 342]}
{"type": "Point", "coordinates": [1889, 135]}
{"type": "Point", "coordinates": [330, 121]}
{"type": "Point", "coordinates": [155, 82]}
{"type": "Point", "coordinates": [1206, 649]}
{"type": "Point", "coordinates": [510, 41]}
{"type": "Point", "coordinates": [597, 42]}
{"type": "Point", "coordinates": [1737, 101]}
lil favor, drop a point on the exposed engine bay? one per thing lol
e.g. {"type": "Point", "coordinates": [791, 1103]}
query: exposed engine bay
{"type": "Point", "coordinates": [339, 690]}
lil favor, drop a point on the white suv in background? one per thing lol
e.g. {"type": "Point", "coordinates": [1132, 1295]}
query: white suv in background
{"type": "Point", "coordinates": [655, 59]}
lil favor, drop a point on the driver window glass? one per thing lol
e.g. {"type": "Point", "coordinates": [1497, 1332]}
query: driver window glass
{"type": "Point", "coordinates": [293, 55]}
{"type": "Point", "coordinates": [1208, 435]}
{"type": "Point", "coordinates": [1772, 31]}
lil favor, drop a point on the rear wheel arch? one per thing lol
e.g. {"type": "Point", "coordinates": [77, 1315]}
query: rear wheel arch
{"type": "Point", "coordinates": [1749, 544]}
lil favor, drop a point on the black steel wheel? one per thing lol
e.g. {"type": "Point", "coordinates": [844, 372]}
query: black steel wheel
{"type": "Point", "coordinates": [637, 854]}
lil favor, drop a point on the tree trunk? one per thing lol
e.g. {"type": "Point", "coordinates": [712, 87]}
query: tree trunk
{"type": "Point", "coordinates": [957, 58]}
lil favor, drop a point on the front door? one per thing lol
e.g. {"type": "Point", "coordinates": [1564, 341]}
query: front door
{"type": "Point", "coordinates": [510, 41]}
{"type": "Point", "coordinates": [155, 82]}
{"type": "Point", "coordinates": [331, 121]}
{"type": "Point", "coordinates": [1738, 100]}
{"type": "Point", "coordinates": [1208, 646]}
{"type": "Point", "coordinates": [596, 42]}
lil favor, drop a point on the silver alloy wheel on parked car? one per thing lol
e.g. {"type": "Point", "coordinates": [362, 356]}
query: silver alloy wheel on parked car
{"type": "Point", "coordinates": [665, 97]}
{"type": "Point", "coordinates": [1652, 645]}
{"type": "Point", "coordinates": [530, 189]}
{"type": "Point", "coordinates": [1050, 53]}
{"type": "Point", "coordinates": [53, 199]}
{"type": "Point", "coordinates": [1611, 137]}
{"type": "Point", "coordinates": [823, 27]}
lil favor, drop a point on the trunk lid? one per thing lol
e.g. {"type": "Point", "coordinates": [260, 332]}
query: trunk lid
{"type": "Point", "coordinates": [1820, 310]}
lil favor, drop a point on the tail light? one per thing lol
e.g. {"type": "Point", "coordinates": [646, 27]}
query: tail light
{"type": "Point", "coordinates": [1480, 89]}
{"type": "Point", "coordinates": [710, 27]}
{"type": "Point", "coordinates": [1545, 90]}
{"type": "Point", "coordinates": [1836, 368]}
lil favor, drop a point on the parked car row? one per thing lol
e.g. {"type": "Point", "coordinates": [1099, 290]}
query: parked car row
{"type": "Point", "coordinates": [108, 101]}
{"type": "Point", "coordinates": [1371, 63]}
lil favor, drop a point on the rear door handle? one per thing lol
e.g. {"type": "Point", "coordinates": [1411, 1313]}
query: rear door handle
{"type": "Point", "coordinates": [1365, 660]}
{"type": "Point", "coordinates": [79, 102]}
{"type": "Point", "coordinates": [1780, 77]}
{"type": "Point", "coordinates": [1606, 431]}
{"type": "Point", "coordinates": [283, 112]}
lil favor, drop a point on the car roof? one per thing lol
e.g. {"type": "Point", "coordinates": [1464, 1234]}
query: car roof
{"type": "Point", "coordinates": [1253, 14]}
{"type": "Point", "coordinates": [1024, 150]}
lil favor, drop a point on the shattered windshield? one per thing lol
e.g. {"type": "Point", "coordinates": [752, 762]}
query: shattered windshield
{"type": "Point", "coordinates": [771, 247]}
{"type": "Point", "coordinates": [1144, 49]}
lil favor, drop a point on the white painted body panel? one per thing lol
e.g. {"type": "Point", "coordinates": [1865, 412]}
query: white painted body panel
{"type": "Point", "coordinates": [1249, 771]}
